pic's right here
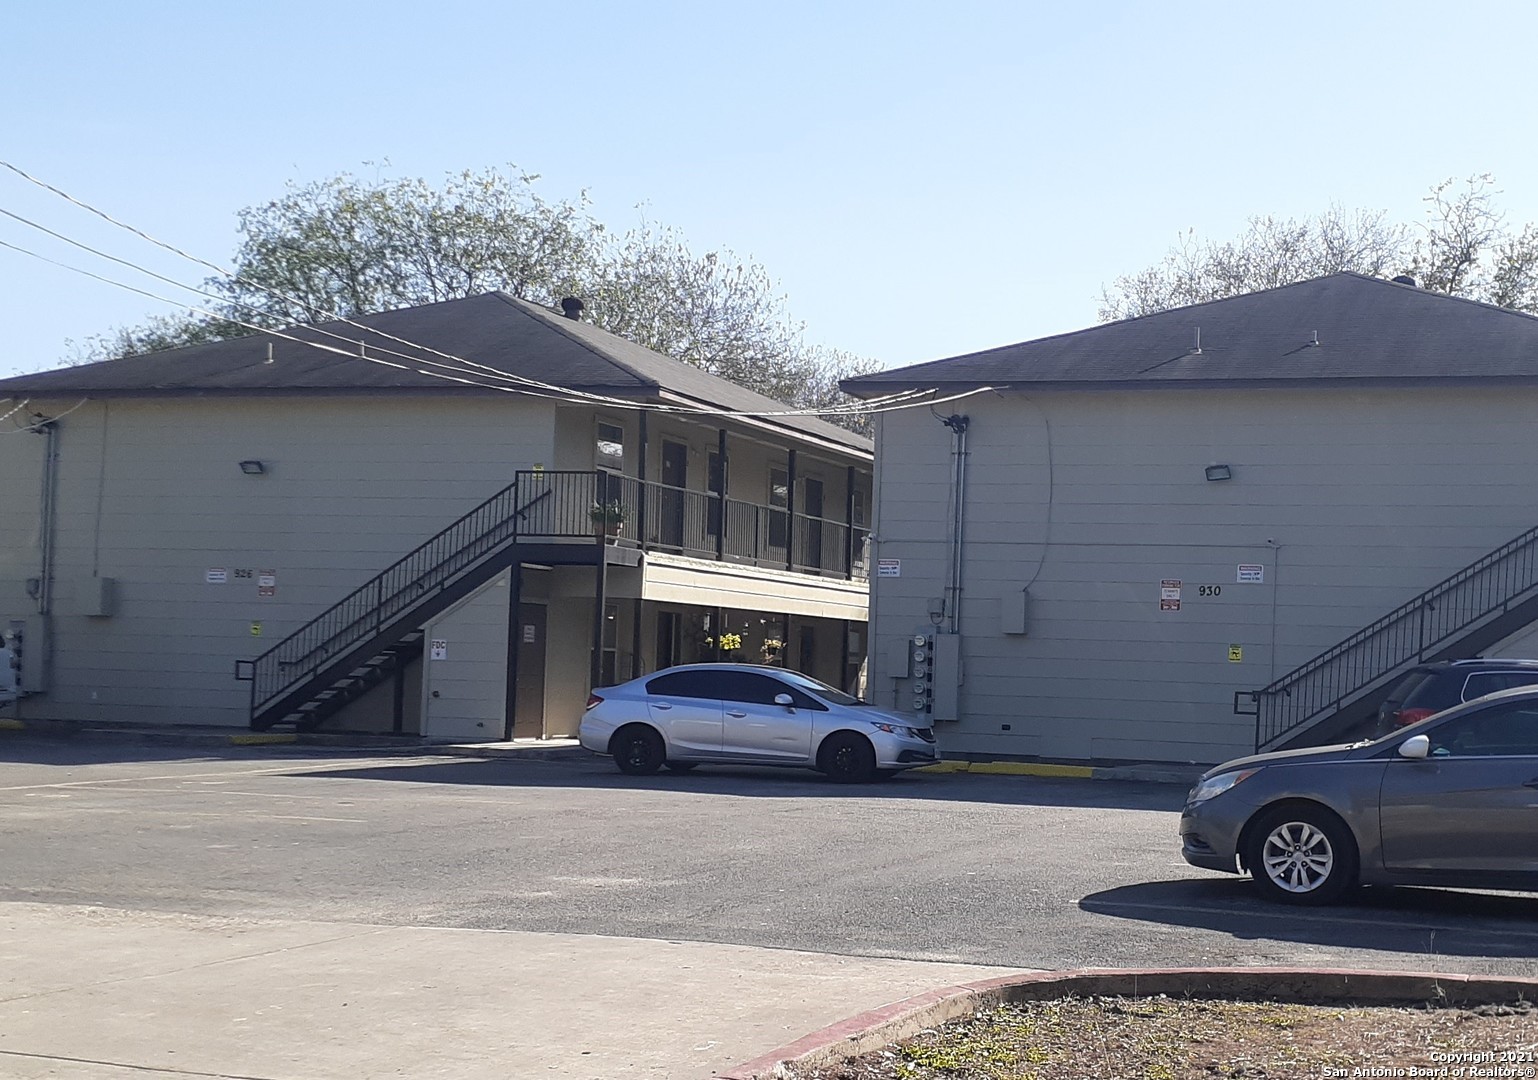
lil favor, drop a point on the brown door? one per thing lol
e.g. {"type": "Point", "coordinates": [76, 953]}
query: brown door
{"type": "Point", "coordinates": [529, 706]}
{"type": "Point", "coordinates": [675, 478]}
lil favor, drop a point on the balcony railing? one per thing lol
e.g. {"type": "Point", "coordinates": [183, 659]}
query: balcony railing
{"type": "Point", "coordinates": [660, 516]}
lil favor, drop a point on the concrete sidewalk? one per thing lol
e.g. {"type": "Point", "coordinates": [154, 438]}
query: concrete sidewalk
{"type": "Point", "coordinates": [91, 993]}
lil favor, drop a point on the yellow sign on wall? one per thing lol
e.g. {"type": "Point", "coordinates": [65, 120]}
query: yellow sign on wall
{"type": "Point", "coordinates": [1236, 654]}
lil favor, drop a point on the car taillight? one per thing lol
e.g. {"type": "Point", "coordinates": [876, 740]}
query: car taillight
{"type": "Point", "coordinates": [593, 699]}
{"type": "Point", "coordinates": [1405, 717]}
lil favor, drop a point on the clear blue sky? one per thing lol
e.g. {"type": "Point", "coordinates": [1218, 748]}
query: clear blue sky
{"type": "Point", "coordinates": [923, 180]}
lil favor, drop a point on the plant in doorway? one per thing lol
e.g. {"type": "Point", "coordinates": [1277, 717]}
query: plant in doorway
{"type": "Point", "coordinates": [608, 517]}
{"type": "Point", "coordinates": [731, 646]}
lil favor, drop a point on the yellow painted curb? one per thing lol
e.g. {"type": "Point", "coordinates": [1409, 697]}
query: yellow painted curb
{"type": "Point", "coordinates": [12, 725]}
{"type": "Point", "coordinates": [1027, 768]}
{"type": "Point", "coordinates": [1009, 768]}
{"type": "Point", "coordinates": [263, 740]}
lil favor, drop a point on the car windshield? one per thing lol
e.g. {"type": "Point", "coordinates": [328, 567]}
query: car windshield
{"type": "Point", "coordinates": [821, 689]}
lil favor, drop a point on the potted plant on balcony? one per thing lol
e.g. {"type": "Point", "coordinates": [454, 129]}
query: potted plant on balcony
{"type": "Point", "coordinates": [608, 517]}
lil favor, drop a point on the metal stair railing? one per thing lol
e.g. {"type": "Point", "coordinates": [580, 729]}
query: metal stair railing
{"type": "Point", "coordinates": [535, 502]}
{"type": "Point", "coordinates": [1410, 633]}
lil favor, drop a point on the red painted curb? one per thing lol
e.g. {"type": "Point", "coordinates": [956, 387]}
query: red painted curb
{"type": "Point", "coordinates": [903, 1019]}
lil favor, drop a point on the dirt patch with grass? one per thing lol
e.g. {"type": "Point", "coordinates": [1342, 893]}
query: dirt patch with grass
{"type": "Point", "coordinates": [1167, 1038]}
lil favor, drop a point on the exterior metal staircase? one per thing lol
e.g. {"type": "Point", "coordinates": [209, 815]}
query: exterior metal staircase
{"type": "Point", "coordinates": [560, 516]}
{"type": "Point", "coordinates": [1338, 691]}
{"type": "Point", "coordinates": [353, 644]}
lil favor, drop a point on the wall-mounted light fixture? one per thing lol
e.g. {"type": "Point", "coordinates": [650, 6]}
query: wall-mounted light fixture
{"type": "Point", "coordinates": [1219, 472]}
{"type": "Point", "coordinates": [256, 468]}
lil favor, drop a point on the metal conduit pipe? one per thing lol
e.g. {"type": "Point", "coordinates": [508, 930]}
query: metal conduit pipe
{"type": "Point", "coordinates": [958, 425]}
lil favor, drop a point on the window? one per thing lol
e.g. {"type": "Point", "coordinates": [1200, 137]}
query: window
{"type": "Point", "coordinates": [822, 689]}
{"type": "Point", "coordinates": [779, 501]}
{"type": "Point", "coordinates": [609, 449]}
{"type": "Point", "coordinates": [715, 480]}
{"type": "Point", "coordinates": [1488, 682]}
{"type": "Point", "coordinates": [1500, 731]}
{"type": "Point", "coordinates": [686, 684]}
{"type": "Point", "coordinates": [751, 689]}
{"type": "Point", "coordinates": [609, 661]}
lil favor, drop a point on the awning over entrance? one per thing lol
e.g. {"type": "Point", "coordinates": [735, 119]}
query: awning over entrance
{"type": "Point", "coordinates": [679, 579]}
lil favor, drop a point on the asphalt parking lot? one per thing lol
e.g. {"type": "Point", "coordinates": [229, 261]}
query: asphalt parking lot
{"type": "Point", "coordinates": [1009, 871]}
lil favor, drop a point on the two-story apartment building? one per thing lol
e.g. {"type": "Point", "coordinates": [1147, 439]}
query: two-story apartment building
{"type": "Point", "coordinates": [1220, 527]}
{"type": "Point", "coordinates": [406, 529]}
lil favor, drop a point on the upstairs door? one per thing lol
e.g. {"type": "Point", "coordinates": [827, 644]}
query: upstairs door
{"type": "Point", "coordinates": [811, 495]}
{"type": "Point", "coordinates": [675, 477]}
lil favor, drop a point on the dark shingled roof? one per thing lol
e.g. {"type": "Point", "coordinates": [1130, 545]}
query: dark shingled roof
{"type": "Point", "coordinates": [494, 329]}
{"type": "Point", "coordinates": [1368, 330]}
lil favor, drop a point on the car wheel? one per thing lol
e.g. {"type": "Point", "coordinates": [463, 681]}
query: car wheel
{"type": "Point", "coordinates": [848, 758]}
{"type": "Point", "coordinates": [637, 750]}
{"type": "Point", "coordinates": [1301, 855]}
{"type": "Point", "coordinates": [680, 766]}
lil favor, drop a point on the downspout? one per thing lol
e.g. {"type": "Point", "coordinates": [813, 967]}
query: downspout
{"type": "Point", "coordinates": [49, 429]}
{"type": "Point", "coordinates": [958, 425]}
{"type": "Point", "coordinates": [48, 511]}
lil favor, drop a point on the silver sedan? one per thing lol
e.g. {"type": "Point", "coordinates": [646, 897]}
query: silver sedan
{"type": "Point", "coordinates": [1451, 800]}
{"type": "Point", "coordinates": [744, 714]}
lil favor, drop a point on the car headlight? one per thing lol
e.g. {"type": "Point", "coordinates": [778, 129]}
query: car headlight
{"type": "Point", "coordinates": [895, 729]}
{"type": "Point", "coordinates": [1214, 786]}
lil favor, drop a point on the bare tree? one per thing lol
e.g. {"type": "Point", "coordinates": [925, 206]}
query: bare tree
{"type": "Point", "coordinates": [1462, 247]}
{"type": "Point", "coordinates": [348, 246]}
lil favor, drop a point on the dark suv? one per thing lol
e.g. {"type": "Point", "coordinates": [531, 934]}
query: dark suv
{"type": "Point", "coordinates": [1430, 688]}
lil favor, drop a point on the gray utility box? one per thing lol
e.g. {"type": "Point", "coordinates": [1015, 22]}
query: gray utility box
{"type": "Point", "coordinates": [947, 687]}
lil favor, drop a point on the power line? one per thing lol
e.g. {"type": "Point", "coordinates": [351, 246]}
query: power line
{"type": "Point", "coordinates": [570, 395]}
{"type": "Point", "coordinates": [853, 408]}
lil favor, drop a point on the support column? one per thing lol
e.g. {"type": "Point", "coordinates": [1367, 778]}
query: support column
{"type": "Point", "coordinates": [721, 495]}
{"type": "Point", "coordinates": [790, 512]}
{"type": "Point", "coordinates": [600, 599]}
{"type": "Point", "coordinates": [641, 493]}
{"type": "Point", "coordinates": [635, 640]}
{"type": "Point", "coordinates": [514, 639]}
{"type": "Point", "coordinates": [719, 618]}
{"type": "Point", "coordinates": [849, 526]}
{"type": "Point", "coordinates": [843, 661]}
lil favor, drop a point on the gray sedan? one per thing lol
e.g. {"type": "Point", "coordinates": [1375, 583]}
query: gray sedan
{"type": "Point", "coordinates": [745, 714]}
{"type": "Point", "coordinates": [1451, 801]}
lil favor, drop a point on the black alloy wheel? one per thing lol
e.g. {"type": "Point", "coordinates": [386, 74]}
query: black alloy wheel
{"type": "Point", "coordinates": [848, 758]}
{"type": "Point", "coordinates": [637, 750]}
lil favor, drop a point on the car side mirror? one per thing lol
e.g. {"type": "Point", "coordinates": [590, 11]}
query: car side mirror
{"type": "Point", "coordinates": [785, 700]}
{"type": "Point", "coordinates": [1416, 746]}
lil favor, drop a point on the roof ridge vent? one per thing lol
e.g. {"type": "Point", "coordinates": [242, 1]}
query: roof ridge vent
{"type": "Point", "coordinates": [571, 307]}
{"type": "Point", "coordinates": [1405, 279]}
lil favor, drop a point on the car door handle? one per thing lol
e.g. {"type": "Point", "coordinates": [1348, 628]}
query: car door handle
{"type": "Point", "coordinates": [1532, 783]}
{"type": "Point", "coordinates": [734, 712]}
{"type": "Point", "coordinates": [661, 705]}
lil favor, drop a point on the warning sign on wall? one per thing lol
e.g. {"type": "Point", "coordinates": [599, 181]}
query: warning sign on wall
{"type": "Point", "coordinates": [1169, 594]}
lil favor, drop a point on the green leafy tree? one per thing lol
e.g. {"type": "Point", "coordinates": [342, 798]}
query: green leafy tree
{"type": "Point", "coordinates": [350, 246]}
{"type": "Point", "coordinates": [1462, 247]}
